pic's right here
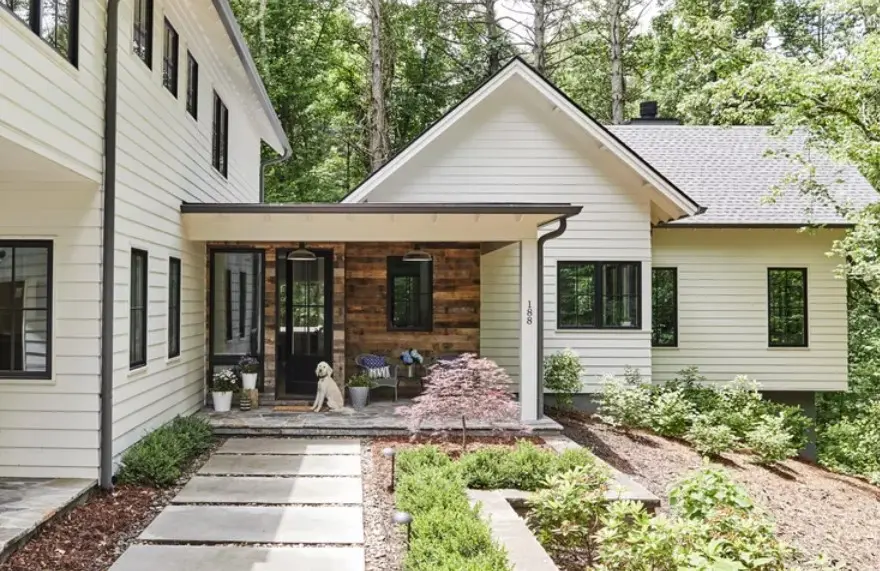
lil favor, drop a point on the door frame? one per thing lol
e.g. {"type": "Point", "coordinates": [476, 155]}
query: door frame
{"type": "Point", "coordinates": [282, 352]}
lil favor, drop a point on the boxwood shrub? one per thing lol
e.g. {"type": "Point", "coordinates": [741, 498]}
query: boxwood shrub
{"type": "Point", "coordinates": [161, 457]}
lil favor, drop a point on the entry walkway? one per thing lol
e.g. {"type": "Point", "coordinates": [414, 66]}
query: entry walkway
{"type": "Point", "coordinates": [272, 504]}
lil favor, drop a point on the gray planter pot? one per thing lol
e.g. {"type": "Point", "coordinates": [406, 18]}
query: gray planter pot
{"type": "Point", "coordinates": [358, 396]}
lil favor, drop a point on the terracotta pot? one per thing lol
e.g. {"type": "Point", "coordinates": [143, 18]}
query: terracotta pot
{"type": "Point", "coordinates": [222, 400]}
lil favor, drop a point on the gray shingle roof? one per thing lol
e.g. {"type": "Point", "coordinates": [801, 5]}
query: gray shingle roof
{"type": "Point", "coordinates": [727, 170]}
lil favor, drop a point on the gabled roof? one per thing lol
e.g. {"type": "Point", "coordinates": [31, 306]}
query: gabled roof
{"type": "Point", "coordinates": [680, 201]}
{"type": "Point", "coordinates": [728, 171]}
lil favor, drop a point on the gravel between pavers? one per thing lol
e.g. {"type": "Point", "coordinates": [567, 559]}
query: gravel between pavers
{"type": "Point", "coordinates": [384, 543]}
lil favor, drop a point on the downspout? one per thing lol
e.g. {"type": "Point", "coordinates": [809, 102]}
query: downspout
{"type": "Point", "coordinates": [288, 152]}
{"type": "Point", "coordinates": [108, 246]}
{"type": "Point", "coordinates": [539, 350]}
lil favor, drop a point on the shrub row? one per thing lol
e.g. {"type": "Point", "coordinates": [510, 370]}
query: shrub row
{"type": "Point", "coordinates": [713, 420]}
{"type": "Point", "coordinates": [852, 444]}
{"type": "Point", "coordinates": [162, 456]}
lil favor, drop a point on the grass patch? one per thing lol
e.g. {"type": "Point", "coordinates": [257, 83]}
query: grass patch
{"type": "Point", "coordinates": [161, 457]}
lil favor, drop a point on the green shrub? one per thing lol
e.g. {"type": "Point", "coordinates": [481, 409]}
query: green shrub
{"type": "Point", "coordinates": [709, 437]}
{"type": "Point", "coordinates": [770, 440]}
{"type": "Point", "coordinates": [414, 459]}
{"type": "Point", "coordinates": [161, 457]}
{"type": "Point", "coordinates": [583, 458]}
{"type": "Point", "coordinates": [562, 375]}
{"type": "Point", "coordinates": [852, 445]}
{"type": "Point", "coordinates": [624, 402]}
{"type": "Point", "coordinates": [671, 414]}
{"type": "Point", "coordinates": [739, 405]}
{"type": "Point", "coordinates": [705, 491]}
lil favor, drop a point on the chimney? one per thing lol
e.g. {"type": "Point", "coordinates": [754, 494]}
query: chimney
{"type": "Point", "coordinates": [649, 115]}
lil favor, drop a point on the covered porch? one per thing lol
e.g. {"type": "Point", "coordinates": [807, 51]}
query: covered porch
{"type": "Point", "coordinates": [294, 285]}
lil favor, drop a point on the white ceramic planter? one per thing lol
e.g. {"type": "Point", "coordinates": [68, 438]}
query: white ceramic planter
{"type": "Point", "coordinates": [222, 401]}
{"type": "Point", "coordinates": [249, 380]}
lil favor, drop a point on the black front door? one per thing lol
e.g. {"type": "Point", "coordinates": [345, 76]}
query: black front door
{"type": "Point", "coordinates": [305, 336]}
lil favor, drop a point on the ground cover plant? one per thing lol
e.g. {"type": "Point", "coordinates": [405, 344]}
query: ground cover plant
{"type": "Point", "coordinates": [161, 457]}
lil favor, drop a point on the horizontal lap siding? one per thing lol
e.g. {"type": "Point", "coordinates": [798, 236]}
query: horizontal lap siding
{"type": "Point", "coordinates": [165, 159]}
{"type": "Point", "coordinates": [722, 307]}
{"type": "Point", "coordinates": [508, 151]}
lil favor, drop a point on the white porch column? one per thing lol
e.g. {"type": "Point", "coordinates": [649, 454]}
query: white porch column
{"type": "Point", "coordinates": [528, 336]}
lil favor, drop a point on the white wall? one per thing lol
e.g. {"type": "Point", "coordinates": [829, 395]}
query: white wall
{"type": "Point", "coordinates": [500, 308]}
{"type": "Point", "coordinates": [722, 307]}
{"type": "Point", "coordinates": [164, 159]}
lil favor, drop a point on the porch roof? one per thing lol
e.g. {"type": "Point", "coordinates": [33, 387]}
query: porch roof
{"type": "Point", "coordinates": [370, 221]}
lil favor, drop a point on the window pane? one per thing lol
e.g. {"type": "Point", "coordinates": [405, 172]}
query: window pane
{"type": "Point", "coordinates": [787, 307]}
{"type": "Point", "coordinates": [664, 307]}
{"type": "Point", "coordinates": [169, 59]}
{"type": "Point", "coordinates": [620, 294]}
{"type": "Point", "coordinates": [56, 24]}
{"type": "Point", "coordinates": [577, 294]}
{"type": "Point", "coordinates": [232, 271]}
{"type": "Point", "coordinates": [21, 8]}
{"type": "Point", "coordinates": [410, 294]}
{"type": "Point", "coordinates": [25, 299]}
{"type": "Point", "coordinates": [192, 86]}
{"type": "Point", "coordinates": [173, 307]}
{"type": "Point", "coordinates": [142, 35]}
{"type": "Point", "coordinates": [138, 309]}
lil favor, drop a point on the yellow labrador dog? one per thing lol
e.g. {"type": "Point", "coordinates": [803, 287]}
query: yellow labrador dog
{"type": "Point", "coordinates": [327, 389]}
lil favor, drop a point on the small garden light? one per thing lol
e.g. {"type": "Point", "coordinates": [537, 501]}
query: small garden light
{"type": "Point", "coordinates": [390, 453]}
{"type": "Point", "coordinates": [403, 518]}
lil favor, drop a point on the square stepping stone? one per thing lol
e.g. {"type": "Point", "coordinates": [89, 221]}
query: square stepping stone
{"type": "Point", "coordinates": [250, 490]}
{"type": "Point", "coordinates": [263, 465]}
{"type": "Point", "coordinates": [249, 524]}
{"type": "Point", "coordinates": [295, 446]}
{"type": "Point", "coordinates": [211, 558]}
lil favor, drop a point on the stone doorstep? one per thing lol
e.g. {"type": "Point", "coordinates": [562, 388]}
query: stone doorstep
{"type": "Point", "coordinates": [290, 446]}
{"type": "Point", "coordinates": [261, 490]}
{"type": "Point", "coordinates": [235, 558]}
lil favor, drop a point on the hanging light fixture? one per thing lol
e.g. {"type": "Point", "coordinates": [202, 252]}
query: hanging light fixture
{"type": "Point", "coordinates": [417, 255]}
{"type": "Point", "coordinates": [302, 254]}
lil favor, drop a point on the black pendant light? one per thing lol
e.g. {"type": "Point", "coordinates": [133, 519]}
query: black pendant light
{"type": "Point", "coordinates": [417, 255]}
{"type": "Point", "coordinates": [302, 254]}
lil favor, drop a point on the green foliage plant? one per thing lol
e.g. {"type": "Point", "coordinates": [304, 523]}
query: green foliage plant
{"type": "Point", "coordinates": [709, 437]}
{"type": "Point", "coordinates": [162, 456]}
{"type": "Point", "coordinates": [770, 440]}
{"type": "Point", "coordinates": [671, 414]}
{"type": "Point", "coordinates": [739, 405]}
{"type": "Point", "coordinates": [703, 491]}
{"type": "Point", "coordinates": [624, 402]}
{"type": "Point", "coordinates": [852, 444]}
{"type": "Point", "coordinates": [562, 375]}
{"type": "Point", "coordinates": [361, 380]}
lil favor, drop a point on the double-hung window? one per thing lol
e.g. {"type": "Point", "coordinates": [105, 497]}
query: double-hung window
{"type": "Point", "coordinates": [26, 309]}
{"type": "Point", "coordinates": [410, 294]}
{"type": "Point", "coordinates": [220, 146]}
{"type": "Point", "coordinates": [137, 319]}
{"type": "Point", "coordinates": [664, 307]}
{"type": "Point", "coordinates": [53, 20]}
{"type": "Point", "coordinates": [170, 57]}
{"type": "Point", "coordinates": [142, 34]}
{"type": "Point", "coordinates": [787, 307]}
{"type": "Point", "coordinates": [598, 295]}
{"type": "Point", "coordinates": [173, 307]}
{"type": "Point", "coordinates": [192, 85]}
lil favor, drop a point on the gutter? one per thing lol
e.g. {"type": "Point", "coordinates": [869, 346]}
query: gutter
{"type": "Point", "coordinates": [267, 163]}
{"type": "Point", "coordinates": [108, 246]}
{"type": "Point", "coordinates": [539, 350]}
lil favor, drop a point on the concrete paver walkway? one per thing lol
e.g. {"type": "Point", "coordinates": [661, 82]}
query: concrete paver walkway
{"type": "Point", "coordinates": [271, 504]}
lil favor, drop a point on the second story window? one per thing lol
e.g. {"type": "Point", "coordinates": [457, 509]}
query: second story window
{"type": "Point", "coordinates": [170, 58]}
{"type": "Point", "coordinates": [192, 86]}
{"type": "Point", "coordinates": [787, 307]}
{"type": "Point", "coordinates": [53, 20]}
{"type": "Point", "coordinates": [220, 139]}
{"type": "Point", "coordinates": [142, 35]}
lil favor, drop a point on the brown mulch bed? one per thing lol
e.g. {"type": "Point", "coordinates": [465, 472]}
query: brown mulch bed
{"type": "Point", "coordinates": [451, 445]}
{"type": "Point", "coordinates": [816, 511]}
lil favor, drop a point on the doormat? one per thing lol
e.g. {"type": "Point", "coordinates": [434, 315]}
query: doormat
{"type": "Point", "coordinates": [293, 408]}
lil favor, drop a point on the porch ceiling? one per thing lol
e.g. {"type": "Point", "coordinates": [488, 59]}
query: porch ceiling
{"type": "Point", "coordinates": [370, 221]}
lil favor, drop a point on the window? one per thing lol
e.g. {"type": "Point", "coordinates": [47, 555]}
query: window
{"type": "Point", "coordinates": [231, 272]}
{"type": "Point", "coordinates": [664, 307]}
{"type": "Point", "coordinates": [170, 57]}
{"type": "Point", "coordinates": [220, 147]}
{"type": "Point", "coordinates": [598, 295]}
{"type": "Point", "coordinates": [192, 86]}
{"type": "Point", "coordinates": [787, 307]}
{"type": "Point", "coordinates": [26, 309]}
{"type": "Point", "coordinates": [242, 304]}
{"type": "Point", "coordinates": [137, 320]}
{"type": "Point", "coordinates": [228, 305]}
{"type": "Point", "coordinates": [142, 36]}
{"type": "Point", "coordinates": [53, 20]}
{"type": "Point", "coordinates": [173, 307]}
{"type": "Point", "coordinates": [410, 294]}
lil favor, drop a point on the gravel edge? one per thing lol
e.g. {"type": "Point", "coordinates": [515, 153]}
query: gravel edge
{"type": "Point", "coordinates": [383, 543]}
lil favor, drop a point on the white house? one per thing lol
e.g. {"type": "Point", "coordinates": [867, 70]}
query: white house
{"type": "Point", "coordinates": [186, 125]}
{"type": "Point", "coordinates": [514, 227]}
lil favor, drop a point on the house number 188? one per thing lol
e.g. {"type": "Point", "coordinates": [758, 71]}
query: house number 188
{"type": "Point", "coordinates": [529, 313]}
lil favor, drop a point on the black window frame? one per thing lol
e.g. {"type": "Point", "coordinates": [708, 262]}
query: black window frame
{"type": "Point", "coordinates": [144, 30]}
{"type": "Point", "coordinates": [674, 342]}
{"type": "Point", "coordinates": [805, 342]}
{"type": "Point", "coordinates": [170, 62]}
{"type": "Point", "coordinates": [395, 266]}
{"type": "Point", "coordinates": [598, 297]}
{"type": "Point", "coordinates": [35, 11]}
{"type": "Point", "coordinates": [220, 137]}
{"type": "Point", "coordinates": [242, 304]}
{"type": "Point", "coordinates": [174, 307]}
{"type": "Point", "coordinates": [192, 85]}
{"type": "Point", "coordinates": [133, 362]}
{"type": "Point", "coordinates": [7, 245]}
{"type": "Point", "coordinates": [228, 305]}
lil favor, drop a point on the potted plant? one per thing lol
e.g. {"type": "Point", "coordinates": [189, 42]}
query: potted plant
{"type": "Point", "coordinates": [359, 390]}
{"type": "Point", "coordinates": [409, 358]}
{"type": "Point", "coordinates": [250, 370]}
{"type": "Point", "coordinates": [225, 383]}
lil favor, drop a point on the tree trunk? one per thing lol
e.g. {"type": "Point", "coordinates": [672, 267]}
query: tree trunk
{"type": "Point", "coordinates": [539, 49]}
{"type": "Point", "coordinates": [378, 114]}
{"type": "Point", "coordinates": [493, 38]}
{"type": "Point", "coordinates": [616, 49]}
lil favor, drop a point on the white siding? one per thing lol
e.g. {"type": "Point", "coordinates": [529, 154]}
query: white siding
{"type": "Point", "coordinates": [722, 307]}
{"type": "Point", "coordinates": [50, 428]}
{"type": "Point", "coordinates": [511, 150]}
{"type": "Point", "coordinates": [499, 308]}
{"type": "Point", "coordinates": [165, 159]}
